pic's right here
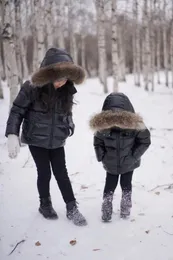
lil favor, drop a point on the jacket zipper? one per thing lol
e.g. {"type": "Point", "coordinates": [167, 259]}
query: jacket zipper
{"type": "Point", "coordinates": [52, 126]}
{"type": "Point", "coordinates": [53, 120]}
{"type": "Point", "coordinates": [118, 152]}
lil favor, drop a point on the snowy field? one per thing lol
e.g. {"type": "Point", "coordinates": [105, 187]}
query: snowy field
{"type": "Point", "coordinates": [147, 235]}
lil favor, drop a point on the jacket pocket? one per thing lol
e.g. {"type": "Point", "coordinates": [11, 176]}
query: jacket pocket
{"type": "Point", "coordinates": [28, 129]}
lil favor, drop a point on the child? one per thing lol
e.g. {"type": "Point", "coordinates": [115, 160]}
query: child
{"type": "Point", "coordinates": [121, 138]}
{"type": "Point", "coordinates": [44, 106]}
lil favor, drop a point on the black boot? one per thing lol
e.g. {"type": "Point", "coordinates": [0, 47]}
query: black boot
{"type": "Point", "coordinates": [74, 214]}
{"type": "Point", "coordinates": [126, 204]}
{"type": "Point", "coordinates": [107, 207]}
{"type": "Point", "coordinates": [46, 209]}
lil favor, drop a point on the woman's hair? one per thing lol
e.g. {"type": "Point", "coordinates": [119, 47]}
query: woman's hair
{"type": "Point", "coordinates": [62, 96]}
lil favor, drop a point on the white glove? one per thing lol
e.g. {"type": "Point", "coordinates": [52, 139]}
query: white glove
{"type": "Point", "coordinates": [13, 146]}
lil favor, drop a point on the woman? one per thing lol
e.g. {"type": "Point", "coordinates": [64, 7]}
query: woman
{"type": "Point", "coordinates": [45, 108]}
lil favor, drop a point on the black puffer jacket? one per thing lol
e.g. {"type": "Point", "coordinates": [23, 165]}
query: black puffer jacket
{"type": "Point", "coordinates": [45, 112]}
{"type": "Point", "coordinates": [121, 137]}
{"type": "Point", "coordinates": [43, 126]}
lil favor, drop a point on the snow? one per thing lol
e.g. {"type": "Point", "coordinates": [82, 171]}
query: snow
{"type": "Point", "coordinates": [143, 236]}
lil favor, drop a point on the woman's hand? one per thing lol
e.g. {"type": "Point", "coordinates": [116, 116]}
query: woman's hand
{"type": "Point", "coordinates": [13, 146]}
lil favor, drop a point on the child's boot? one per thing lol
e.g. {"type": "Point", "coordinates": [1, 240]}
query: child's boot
{"type": "Point", "coordinates": [126, 204]}
{"type": "Point", "coordinates": [107, 207]}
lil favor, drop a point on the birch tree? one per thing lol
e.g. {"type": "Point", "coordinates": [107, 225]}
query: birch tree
{"type": "Point", "coordinates": [71, 29]}
{"type": "Point", "coordinates": [40, 31]}
{"type": "Point", "coordinates": [114, 45]}
{"type": "Point", "coordinates": [165, 46]}
{"type": "Point", "coordinates": [147, 51]}
{"type": "Point", "coordinates": [152, 43]}
{"type": "Point", "coordinates": [101, 43]}
{"type": "Point", "coordinates": [18, 38]}
{"type": "Point", "coordinates": [10, 54]}
{"type": "Point", "coordinates": [121, 41]}
{"type": "Point", "coordinates": [171, 47]}
{"type": "Point", "coordinates": [158, 44]}
{"type": "Point", "coordinates": [136, 44]}
{"type": "Point", "coordinates": [49, 22]}
{"type": "Point", "coordinates": [60, 24]}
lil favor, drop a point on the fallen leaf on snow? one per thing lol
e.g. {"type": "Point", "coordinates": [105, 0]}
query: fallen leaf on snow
{"type": "Point", "coordinates": [147, 231]}
{"type": "Point", "coordinates": [83, 187]}
{"type": "Point", "coordinates": [141, 214]}
{"type": "Point", "coordinates": [96, 249]}
{"type": "Point", "coordinates": [157, 193]}
{"type": "Point", "coordinates": [38, 243]}
{"type": "Point", "coordinates": [73, 242]}
{"type": "Point", "coordinates": [132, 220]}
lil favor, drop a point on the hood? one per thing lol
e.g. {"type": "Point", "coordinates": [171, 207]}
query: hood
{"type": "Point", "coordinates": [57, 64]}
{"type": "Point", "coordinates": [117, 101]}
{"type": "Point", "coordinates": [118, 112]}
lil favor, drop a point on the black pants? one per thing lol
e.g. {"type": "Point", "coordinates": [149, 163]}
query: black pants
{"type": "Point", "coordinates": [112, 181]}
{"type": "Point", "coordinates": [44, 158]}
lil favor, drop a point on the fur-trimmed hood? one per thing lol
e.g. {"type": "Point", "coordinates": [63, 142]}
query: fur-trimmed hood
{"type": "Point", "coordinates": [57, 64]}
{"type": "Point", "coordinates": [118, 112]}
{"type": "Point", "coordinates": [116, 119]}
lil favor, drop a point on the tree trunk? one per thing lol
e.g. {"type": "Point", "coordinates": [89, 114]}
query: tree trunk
{"type": "Point", "coordinates": [24, 60]}
{"type": "Point", "coordinates": [40, 32]}
{"type": "Point", "coordinates": [83, 51]}
{"type": "Point", "coordinates": [115, 45]}
{"type": "Point", "coordinates": [34, 33]}
{"type": "Point", "coordinates": [72, 35]}
{"type": "Point", "coordinates": [60, 10]}
{"type": "Point", "coordinates": [172, 45]}
{"type": "Point", "coordinates": [18, 30]}
{"type": "Point", "coordinates": [152, 44]}
{"type": "Point", "coordinates": [137, 44]}
{"type": "Point", "coordinates": [147, 45]}
{"type": "Point", "coordinates": [122, 70]}
{"type": "Point", "coordinates": [158, 60]}
{"type": "Point", "coordinates": [49, 23]}
{"type": "Point", "coordinates": [10, 54]}
{"type": "Point", "coordinates": [165, 47]}
{"type": "Point", "coordinates": [1, 90]}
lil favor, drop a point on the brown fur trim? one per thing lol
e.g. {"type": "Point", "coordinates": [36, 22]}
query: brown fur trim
{"type": "Point", "coordinates": [121, 119]}
{"type": "Point", "coordinates": [56, 71]}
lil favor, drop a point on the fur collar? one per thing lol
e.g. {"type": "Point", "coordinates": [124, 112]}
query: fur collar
{"type": "Point", "coordinates": [120, 119]}
{"type": "Point", "coordinates": [56, 71]}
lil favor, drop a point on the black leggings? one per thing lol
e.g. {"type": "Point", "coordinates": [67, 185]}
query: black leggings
{"type": "Point", "coordinates": [112, 181]}
{"type": "Point", "coordinates": [44, 158]}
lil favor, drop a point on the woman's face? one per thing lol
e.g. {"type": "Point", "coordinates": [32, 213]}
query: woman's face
{"type": "Point", "coordinates": [59, 83]}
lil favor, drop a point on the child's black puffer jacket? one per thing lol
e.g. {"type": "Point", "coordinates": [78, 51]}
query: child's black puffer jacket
{"type": "Point", "coordinates": [121, 137]}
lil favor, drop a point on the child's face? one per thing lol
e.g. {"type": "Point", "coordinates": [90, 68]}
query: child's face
{"type": "Point", "coordinates": [59, 83]}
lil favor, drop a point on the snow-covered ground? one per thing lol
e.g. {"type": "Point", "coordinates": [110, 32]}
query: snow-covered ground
{"type": "Point", "coordinates": [148, 234]}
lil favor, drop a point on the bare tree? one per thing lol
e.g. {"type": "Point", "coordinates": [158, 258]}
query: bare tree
{"type": "Point", "coordinates": [10, 54]}
{"type": "Point", "coordinates": [147, 51]}
{"type": "Point", "coordinates": [49, 22]}
{"type": "Point", "coordinates": [136, 44]}
{"type": "Point", "coordinates": [152, 42]}
{"type": "Point", "coordinates": [122, 50]}
{"type": "Point", "coordinates": [60, 25]}
{"type": "Point", "coordinates": [165, 44]}
{"type": "Point", "coordinates": [115, 45]}
{"type": "Point", "coordinates": [40, 30]}
{"type": "Point", "coordinates": [17, 4]}
{"type": "Point", "coordinates": [102, 43]}
{"type": "Point", "coordinates": [71, 28]}
{"type": "Point", "coordinates": [171, 42]}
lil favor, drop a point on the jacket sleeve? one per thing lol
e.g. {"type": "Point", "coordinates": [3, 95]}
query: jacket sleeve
{"type": "Point", "coordinates": [71, 123]}
{"type": "Point", "coordinates": [142, 142]}
{"type": "Point", "coordinates": [70, 115]}
{"type": "Point", "coordinates": [99, 147]}
{"type": "Point", "coordinates": [18, 110]}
